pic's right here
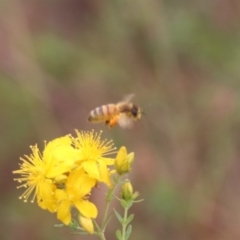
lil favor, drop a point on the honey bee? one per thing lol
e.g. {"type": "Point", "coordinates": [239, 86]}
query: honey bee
{"type": "Point", "coordinates": [124, 113]}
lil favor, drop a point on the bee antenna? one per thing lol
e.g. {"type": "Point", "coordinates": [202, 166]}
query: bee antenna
{"type": "Point", "coordinates": [143, 113]}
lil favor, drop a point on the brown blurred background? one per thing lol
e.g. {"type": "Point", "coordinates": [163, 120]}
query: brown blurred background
{"type": "Point", "coordinates": [60, 59]}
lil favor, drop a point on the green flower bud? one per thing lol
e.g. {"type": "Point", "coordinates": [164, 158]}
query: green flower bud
{"type": "Point", "coordinates": [127, 191]}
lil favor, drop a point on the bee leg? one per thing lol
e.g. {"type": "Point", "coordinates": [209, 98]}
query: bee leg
{"type": "Point", "coordinates": [113, 121]}
{"type": "Point", "coordinates": [107, 122]}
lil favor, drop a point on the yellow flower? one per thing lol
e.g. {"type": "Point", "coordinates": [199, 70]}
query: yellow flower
{"type": "Point", "coordinates": [123, 161]}
{"type": "Point", "coordinates": [92, 157]}
{"type": "Point", "coordinates": [77, 188]}
{"type": "Point", "coordinates": [38, 171]}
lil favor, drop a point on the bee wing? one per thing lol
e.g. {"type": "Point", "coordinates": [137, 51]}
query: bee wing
{"type": "Point", "coordinates": [124, 121]}
{"type": "Point", "coordinates": [128, 97]}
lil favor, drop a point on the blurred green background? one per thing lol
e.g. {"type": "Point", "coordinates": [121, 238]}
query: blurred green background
{"type": "Point", "coordinates": [60, 59]}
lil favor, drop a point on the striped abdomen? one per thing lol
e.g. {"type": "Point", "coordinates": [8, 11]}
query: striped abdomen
{"type": "Point", "coordinates": [103, 113]}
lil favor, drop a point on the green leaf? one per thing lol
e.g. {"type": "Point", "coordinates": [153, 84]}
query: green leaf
{"type": "Point", "coordinates": [74, 224]}
{"type": "Point", "coordinates": [130, 218]}
{"type": "Point", "coordinates": [129, 203]}
{"type": "Point", "coordinates": [124, 204]}
{"type": "Point", "coordinates": [137, 201]}
{"type": "Point", "coordinates": [120, 219]}
{"type": "Point", "coordinates": [119, 234]}
{"type": "Point", "coordinates": [128, 232]}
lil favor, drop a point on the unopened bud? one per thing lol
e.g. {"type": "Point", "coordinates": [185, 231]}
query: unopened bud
{"type": "Point", "coordinates": [127, 191]}
{"type": "Point", "coordinates": [123, 161]}
{"type": "Point", "coordinates": [86, 223]}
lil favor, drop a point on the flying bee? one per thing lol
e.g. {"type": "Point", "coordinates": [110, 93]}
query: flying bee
{"type": "Point", "coordinates": [124, 113]}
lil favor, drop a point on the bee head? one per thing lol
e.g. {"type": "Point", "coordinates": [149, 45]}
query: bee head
{"type": "Point", "coordinates": [136, 112]}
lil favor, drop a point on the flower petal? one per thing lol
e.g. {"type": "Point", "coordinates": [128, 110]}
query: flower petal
{"type": "Point", "coordinates": [86, 208]}
{"type": "Point", "coordinates": [60, 195]}
{"type": "Point", "coordinates": [63, 160]}
{"type": "Point", "coordinates": [45, 195]}
{"type": "Point", "coordinates": [104, 174]}
{"type": "Point", "coordinates": [51, 146]}
{"type": "Point", "coordinates": [63, 212]}
{"type": "Point", "coordinates": [79, 183]}
{"type": "Point", "coordinates": [92, 169]}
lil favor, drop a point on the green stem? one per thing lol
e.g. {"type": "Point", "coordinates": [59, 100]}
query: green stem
{"type": "Point", "coordinates": [102, 236]}
{"type": "Point", "coordinates": [100, 232]}
{"type": "Point", "coordinates": [124, 225]}
{"type": "Point", "coordinates": [105, 215]}
{"type": "Point", "coordinates": [109, 199]}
